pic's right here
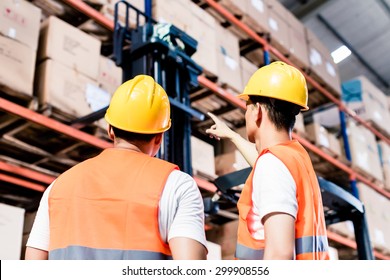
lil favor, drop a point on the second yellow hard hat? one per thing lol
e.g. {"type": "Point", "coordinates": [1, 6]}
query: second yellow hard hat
{"type": "Point", "coordinates": [280, 81]}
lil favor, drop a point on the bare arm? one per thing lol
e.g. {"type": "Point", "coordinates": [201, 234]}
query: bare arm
{"type": "Point", "coordinates": [280, 236]}
{"type": "Point", "coordinates": [221, 130]}
{"type": "Point", "coordinates": [183, 248]}
{"type": "Point", "coordinates": [36, 254]}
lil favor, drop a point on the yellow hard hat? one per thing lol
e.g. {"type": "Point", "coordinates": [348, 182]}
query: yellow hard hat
{"type": "Point", "coordinates": [280, 81]}
{"type": "Point", "coordinates": [140, 105]}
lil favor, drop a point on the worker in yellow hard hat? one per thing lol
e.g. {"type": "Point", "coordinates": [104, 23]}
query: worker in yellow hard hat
{"type": "Point", "coordinates": [124, 203]}
{"type": "Point", "coordinates": [280, 207]}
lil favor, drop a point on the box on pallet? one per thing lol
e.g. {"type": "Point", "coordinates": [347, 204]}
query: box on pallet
{"type": "Point", "coordinates": [228, 55]}
{"type": "Point", "coordinates": [255, 15]}
{"type": "Point", "coordinates": [376, 206]}
{"type": "Point", "coordinates": [364, 150]}
{"type": "Point", "coordinates": [277, 26]}
{"type": "Point", "coordinates": [384, 154]}
{"type": "Point", "coordinates": [318, 134]}
{"type": "Point", "coordinates": [110, 75]}
{"type": "Point", "coordinates": [247, 70]}
{"type": "Point", "coordinates": [299, 123]}
{"type": "Point", "coordinates": [20, 20]}
{"type": "Point", "coordinates": [203, 29]}
{"type": "Point", "coordinates": [199, 24]}
{"type": "Point", "coordinates": [202, 156]}
{"type": "Point", "coordinates": [297, 42]}
{"type": "Point", "coordinates": [321, 63]}
{"type": "Point", "coordinates": [368, 101]}
{"type": "Point", "coordinates": [230, 162]}
{"type": "Point", "coordinates": [67, 44]}
{"type": "Point", "coordinates": [69, 91]}
{"type": "Point", "coordinates": [11, 228]}
{"type": "Point", "coordinates": [17, 66]}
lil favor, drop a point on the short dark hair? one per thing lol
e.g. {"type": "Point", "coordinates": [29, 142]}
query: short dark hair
{"type": "Point", "coordinates": [281, 113]}
{"type": "Point", "coordinates": [132, 136]}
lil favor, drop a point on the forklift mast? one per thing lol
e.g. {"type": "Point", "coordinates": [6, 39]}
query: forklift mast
{"type": "Point", "coordinates": [164, 52]}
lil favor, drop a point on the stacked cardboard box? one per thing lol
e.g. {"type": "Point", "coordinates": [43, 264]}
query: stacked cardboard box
{"type": "Point", "coordinates": [19, 32]}
{"type": "Point", "coordinates": [300, 123]}
{"type": "Point", "coordinates": [325, 129]}
{"type": "Point", "coordinates": [368, 101]}
{"type": "Point", "coordinates": [321, 63]}
{"type": "Point", "coordinates": [70, 66]}
{"type": "Point", "coordinates": [202, 156]}
{"type": "Point", "coordinates": [218, 49]}
{"type": "Point", "coordinates": [11, 228]}
{"type": "Point", "coordinates": [377, 207]}
{"type": "Point", "coordinates": [278, 26]}
{"type": "Point", "coordinates": [364, 150]}
{"type": "Point", "coordinates": [384, 153]}
{"type": "Point", "coordinates": [247, 70]}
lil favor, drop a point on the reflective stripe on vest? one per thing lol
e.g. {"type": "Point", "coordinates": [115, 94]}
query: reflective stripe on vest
{"type": "Point", "coordinates": [311, 244]}
{"type": "Point", "coordinates": [246, 253]}
{"type": "Point", "coordinates": [85, 253]}
{"type": "Point", "coordinates": [310, 230]}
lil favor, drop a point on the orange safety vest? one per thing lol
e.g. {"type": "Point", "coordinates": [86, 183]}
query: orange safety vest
{"type": "Point", "coordinates": [107, 208]}
{"type": "Point", "coordinates": [311, 241]}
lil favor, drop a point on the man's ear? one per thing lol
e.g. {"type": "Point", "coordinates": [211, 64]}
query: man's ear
{"type": "Point", "coordinates": [158, 139]}
{"type": "Point", "coordinates": [258, 111]}
{"type": "Point", "coordinates": [110, 132]}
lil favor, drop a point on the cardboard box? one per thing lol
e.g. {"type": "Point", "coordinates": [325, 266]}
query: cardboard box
{"type": "Point", "coordinates": [298, 48]}
{"type": "Point", "coordinates": [17, 66]}
{"type": "Point", "coordinates": [203, 29]}
{"type": "Point", "coordinates": [68, 90]}
{"type": "Point", "coordinates": [256, 15]}
{"type": "Point", "coordinates": [230, 162]}
{"type": "Point", "coordinates": [321, 63]}
{"type": "Point", "coordinates": [11, 228]}
{"type": "Point", "coordinates": [364, 150]}
{"type": "Point", "coordinates": [299, 123]}
{"type": "Point", "coordinates": [108, 10]}
{"type": "Point", "coordinates": [278, 28]}
{"type": "Point", "coordinates": [319, 134]}
{"type": "Point", "coordinates": [202, 156]}
{"type": "Point", "coordinates": [175, 12]}
{"type": "Point", "coordinates": [384, 155]}
{"type": "Point", "coordinates": [335, 144]}
{"type": "Point", "coordinates": [67, 44]}
{"type": "Point", "coordinates": [20, 20]}
{"type": "Point", "coordinates": [368, 101]}
{"type": "Point", "coordinates": [110, 75]}
{"type": "Point", "coordinates": [228, 55]}
{"type": "Point", "coordinates": [247, 70]}
{"type": "Point", "coordinates": [374, 203]}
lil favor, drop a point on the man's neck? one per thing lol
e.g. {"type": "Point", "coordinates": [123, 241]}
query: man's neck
{"type": "Point", "coordinates": [272, 137]}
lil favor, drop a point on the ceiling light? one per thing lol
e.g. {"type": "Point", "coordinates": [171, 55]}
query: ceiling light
{"type": "Point", "coordinates": [340, 54]}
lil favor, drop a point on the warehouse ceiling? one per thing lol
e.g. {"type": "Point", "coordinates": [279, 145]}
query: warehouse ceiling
{"type": "Point", "coordinates": [361, 25]}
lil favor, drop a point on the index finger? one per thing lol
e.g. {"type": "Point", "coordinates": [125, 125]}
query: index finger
{"type": "Point", "coordinates": [213, 117]}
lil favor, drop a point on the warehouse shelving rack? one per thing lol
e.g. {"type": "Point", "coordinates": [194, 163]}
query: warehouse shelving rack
{"type": "Point", "coordinates": [38, 181]}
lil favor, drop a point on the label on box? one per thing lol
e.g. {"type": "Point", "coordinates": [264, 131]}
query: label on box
{"type": "Point", "coordinates": [12, 33]}
{"type": "Point", "coordinates": [97, 98]}
{"type": "Point", "coordinates": [230, 62]}
{"type": "Point", "coordinates": [330, 69]}
{"type": "Point", "coordinates": [273, 24]}
{"type": "Point", "coordinates": [315, 57]}
{"type": "Point", "coordinates": [258, 4]}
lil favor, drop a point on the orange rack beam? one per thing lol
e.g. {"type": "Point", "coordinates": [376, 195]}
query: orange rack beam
{"type": "Point", "coordinates": [35, 117]}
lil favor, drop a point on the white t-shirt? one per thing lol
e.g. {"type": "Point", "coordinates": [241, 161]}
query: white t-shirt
{"type": "Point", "coordinates": [181, 213]}
{"type": "Point", "coordinates": [274, 190]}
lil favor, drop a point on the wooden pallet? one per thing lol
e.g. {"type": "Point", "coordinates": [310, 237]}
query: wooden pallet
{"type": "Point", "coordinates": [369, 176]}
